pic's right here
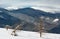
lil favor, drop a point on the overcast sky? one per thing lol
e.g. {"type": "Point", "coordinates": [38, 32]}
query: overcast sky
{"type": "Point", "coordinates": [47, 5]}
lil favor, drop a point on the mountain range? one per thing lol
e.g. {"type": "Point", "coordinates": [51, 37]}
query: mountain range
{"type": "Point", "coordinates": [31, 18]}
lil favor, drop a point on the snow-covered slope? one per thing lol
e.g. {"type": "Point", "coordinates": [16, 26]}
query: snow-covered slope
{"type": "Point", "coordinates": [6, 34]}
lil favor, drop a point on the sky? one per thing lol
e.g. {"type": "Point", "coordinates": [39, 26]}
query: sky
{"type": "Point", "coordinates": [46, 5]}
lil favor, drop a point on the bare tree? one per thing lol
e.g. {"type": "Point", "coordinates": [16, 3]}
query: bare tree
{"type": "Point", "coordinates": [8, 27]}
{"type": "Point", "coordinates": [41, 27]}
{"type": "Point", "coordinates": [18, 27]}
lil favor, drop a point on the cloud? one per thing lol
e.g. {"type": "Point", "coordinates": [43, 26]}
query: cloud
{"type": "Point", "coordinates": [46, 5]}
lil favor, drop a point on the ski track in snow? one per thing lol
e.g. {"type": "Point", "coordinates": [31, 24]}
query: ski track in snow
{"type": "Point", "coordinates": [6, 34]}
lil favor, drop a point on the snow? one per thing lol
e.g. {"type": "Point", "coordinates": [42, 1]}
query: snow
{"type": "Point", "coordinates": [11, 8]}
{"type": "Point", "coordinates": [1, 16]}
{"type": "Point", "coordinates": [0, 11]}
{"type": "Point", "coordinates": [55, 20]}
{"type": "Point", "coordinates": [46, 9]}
{"type": "Point", "coordinates": [43, 9]}
{"type": "Point", "coordinates": [6, 34]}
{"type": "Point", "coordinates": [36, 8]}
